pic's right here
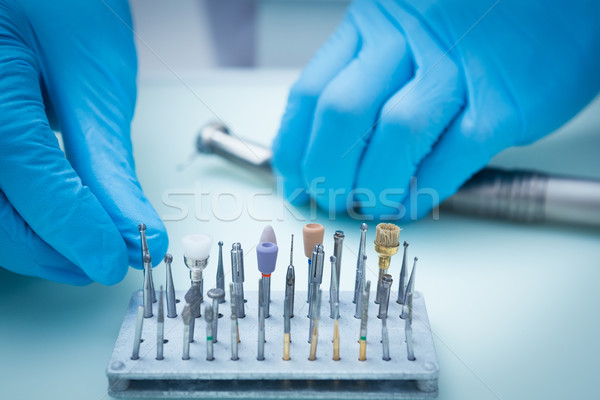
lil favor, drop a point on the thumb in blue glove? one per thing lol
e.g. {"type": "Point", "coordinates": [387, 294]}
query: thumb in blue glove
{"type": "Point", "coordinates": [70, 220]}
{"type": "Point", "coordinates": [431, 90]}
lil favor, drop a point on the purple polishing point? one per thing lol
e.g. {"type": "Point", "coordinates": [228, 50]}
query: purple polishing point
{"type": "Point", "coordinates": [266, 254]}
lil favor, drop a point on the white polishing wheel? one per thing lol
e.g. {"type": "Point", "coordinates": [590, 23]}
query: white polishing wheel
{"type": "Point", "coordinates": [197, 246]}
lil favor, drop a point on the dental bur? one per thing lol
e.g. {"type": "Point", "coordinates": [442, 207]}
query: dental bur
{"type": "Point", "coordinates": [186, 315]}
{"type": "Point", "coordinates": [361, 280]}
{"type": "Point", "coordinates": [220, 272]}
{"type": "Point", "coordinates": [137, 338]}
{"type": "Point", "coordinates": [234, 338]}
{"type": "Point", "coordinates": [237, 276]}
{"type": "Point", "coordinates": [218, 296]}
{"type": "Point", "coordinates": [196, 251]}
{"type": "Point", "coordinates": [315, 278]}
{"type": "Point", "coordinates": [147, 286]}
{"type": "Point", "coordinates": [209, 317]}
{"type": "Point", "coordinates": [290, 281]}
{"type": "Point", "coordinates": [261, 322]}
{"type": "Point", "coordinates": [286, 329]}
{"type": "Point", "coordinates": [386, 245]}
{"type": "Point", "coordinates": [312, 235]}
{"type": "Point", "coordinates": [234, 314]}
{"type": "Point", "coordinates": [314, 336]}
{"type": "Point", "coordinates": [360, 264]}
{"type": "Point", "coordinates": [409, 287]}
{"type": "Point", "coordinates": [334, 294]}
{"type": "Point", "coordinates": [146, 259]}
{"type": "Point", "coordinates": [362, 356]}
{"type": "Point", "coordinates": [338, 246]}
{"type": "Point", "coordinates": [410, 348]}
{"type": "Point", "coordinates": [171, 301]}
{"type": "Point", "coordinates": [266, 255]}
{"type": "Point", "coordinates": [386, 286]}
{"type": "Point", "coordinates": [192, 299]}
{"type": "Point", "coordinates": [160, 327]}
{"type": "Point", "coordinates": [402, 279]}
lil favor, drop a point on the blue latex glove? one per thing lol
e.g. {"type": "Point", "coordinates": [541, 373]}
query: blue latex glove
{"type": "Point", "coordinates": [432, 90]}
{"type": "Point", "coordinates": [72, 219]}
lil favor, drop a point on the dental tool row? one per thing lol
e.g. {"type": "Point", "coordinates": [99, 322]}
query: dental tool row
{"type": "Point", "coordinates": [196, 255]}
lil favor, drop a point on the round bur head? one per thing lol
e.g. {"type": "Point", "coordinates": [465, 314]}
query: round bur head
{"type": "Point", "coordinates": [216, 293]}
{"type": "Point", "coordinates": [266, 254]}
{"type": "Point", "coordinates": [196, 247]}
{"type": "Point", "coordinates": [268, 235]}
{"type": "Point", "coordinates": [313, 235]}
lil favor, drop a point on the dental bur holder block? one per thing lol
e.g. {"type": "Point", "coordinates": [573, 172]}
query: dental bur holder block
{"type": "Point", "coordinates": [274, 378]}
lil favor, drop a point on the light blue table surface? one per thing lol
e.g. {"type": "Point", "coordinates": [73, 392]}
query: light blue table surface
{"type": "Point", "coordinates": [514, 308]}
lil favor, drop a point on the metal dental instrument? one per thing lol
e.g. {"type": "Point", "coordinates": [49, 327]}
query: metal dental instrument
{"type": "Point", "coordinates": [137, 338]}
{"type": "Point", "coordinates": [410, 347]}
{"type": "Point", "coordinates": [237, 276]}
{"type": "Point", "coordinates": [261, 322]}
{"type": "Point", "coordinates": [196, 252]}
{"type": "Point", "coordinates": [312, 235]}
{"type": "Point", "coordinates": [208, 316]}
{"type": "Point", "coordinates": [361, 279]}
{"type": "Point", "coordinates": [315, 327]}
{"type": "Point", "coordinates": [336, 333]}
{"type": "Point", "coordinates": [286, 329]}
{"type": "Point", "coordinates": [290, 281]}
{"type": "Point", "coordinates": [186, 315]}
{"type": "Point", "coordinates": [192, 299]}
{"type": "Point", "coordinates": [523, 196]}
{"type": "Point", "coordinates": [234, 312]}
{"type": "Point", "coordinates": [160, 326]}
{"type": "Point", "coordinates": [360, 265]}
{"type": "Point", "coordinates": [216, 294]}
{"type": "Point", "coordinates": [147, 261]}
{"type": "Point", "coordinates": [363, 323]}
{"type": "Point", "coordinates": [386, 288]}
{"type": "Point", "coordinates": [338, 246]}
{"type": "Point", "coordinates": [386, 245]}
{"type": "Point", "coordinates": [221, 273]}
{"type": "Point", "coordinates": [334, 294]}
{"type": "Point", "coordinates": [147, 287]}
{"type": "Point", "coordinates": [402, 279]}
{"type": "Point", "coordinates": [234, 338]}
{"type": "Point", "coordinates": [410, 286]}
{"type": "Point", "coordinates": [266, 254]}
{"type": "Point", "coordinates": [385, 340]}
{"type": "Point", "coordinates": [171, 301]}
{"type": "Point", "coordinates": [316, 276]}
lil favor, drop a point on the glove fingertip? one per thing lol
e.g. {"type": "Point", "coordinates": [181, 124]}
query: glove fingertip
{"type": "Point", "coordinates": [111, 267]}
{"type": "Point", "coordinates": [158, 243]}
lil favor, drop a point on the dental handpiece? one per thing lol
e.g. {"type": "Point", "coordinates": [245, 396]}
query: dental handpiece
{"type": "Point", "coordinates": [523, 196]}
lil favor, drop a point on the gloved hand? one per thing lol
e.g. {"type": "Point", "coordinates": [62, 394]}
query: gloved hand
{"type": "Point", "coordinates": [431, 90]}
{"type": "Point", "coordinates": [72, 219]}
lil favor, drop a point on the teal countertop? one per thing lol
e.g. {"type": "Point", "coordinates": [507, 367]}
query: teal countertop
{"type": "Point", "coordinates": [513, 308]}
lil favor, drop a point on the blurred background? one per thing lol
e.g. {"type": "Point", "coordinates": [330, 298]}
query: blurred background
{"type": "Point", "coordinates": [206, 34]}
